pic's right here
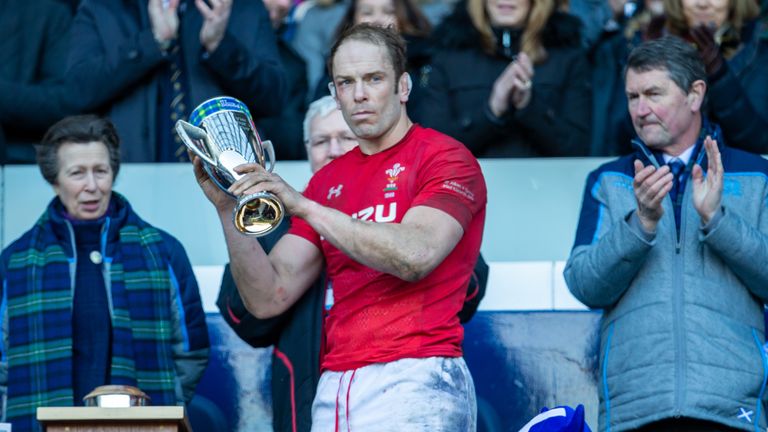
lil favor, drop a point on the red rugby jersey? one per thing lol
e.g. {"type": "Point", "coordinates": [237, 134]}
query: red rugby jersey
{"type": "Point", "coordinates": [377, 317]}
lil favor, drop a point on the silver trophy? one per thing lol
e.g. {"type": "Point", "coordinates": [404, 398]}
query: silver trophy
{"type": "Point", "coordinates": [221, 132]}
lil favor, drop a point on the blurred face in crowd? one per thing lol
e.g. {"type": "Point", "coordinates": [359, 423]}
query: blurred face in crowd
{"type": "Point", "coordinates": [366, 89]}
{"type": "Point", "coordinates": [380, 12]}
{"type": "Point", "coordinates": [706, 12]}
{"type": "Point", "coordinates": [664, 116]}
{"type": "Point", "coordinates": [655, 7]}
{"type": "Point", "coordinates": [329, 138]}
{"type": "Point", "coordinates": [508, 13]}
{"type": "Point", "coordinates": [278, 10]}
{"type": "Point", "coordinates": [84, 180]}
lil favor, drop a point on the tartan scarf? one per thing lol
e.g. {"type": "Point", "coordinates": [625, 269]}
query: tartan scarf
{"type": "Point", "coordinates": [38, 294]}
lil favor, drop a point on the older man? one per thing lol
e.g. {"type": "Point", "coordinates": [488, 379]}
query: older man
{"type": "Point", "coordinates": [397, 222]}
{"type": "Point", "coordinates": [672, 244]}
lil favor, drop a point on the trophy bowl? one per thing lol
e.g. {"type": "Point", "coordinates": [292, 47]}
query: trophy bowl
{"type": "Point", "coordinates": [221, 132]}
{"type": "Point", "coordinates": [116, 396]}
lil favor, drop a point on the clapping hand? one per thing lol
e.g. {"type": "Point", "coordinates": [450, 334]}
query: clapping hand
{"type": "Point", "coordinates": [708, 192]}
{"type": "Point", "coordinates": [709, 50]}
{"type": "Point", "coordinates": [512, 86]}
{"type": "Point", "coordinates": [164, 20]}
{"type": "Point", "coordinates": [651, 185]}
{"type": "Point", "coordinates": [215, 20]}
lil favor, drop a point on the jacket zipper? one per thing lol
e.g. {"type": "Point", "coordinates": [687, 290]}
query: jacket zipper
{"type": "Point", "coordinates": [678, 319]}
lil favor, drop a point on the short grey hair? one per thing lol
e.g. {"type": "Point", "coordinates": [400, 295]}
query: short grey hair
{"type": "Point", "coordinates": [678, 58]}
{"type": "Point", "coordinates": [319, 108]}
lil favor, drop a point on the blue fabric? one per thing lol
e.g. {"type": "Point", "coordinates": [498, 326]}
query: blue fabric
{"type": "Point", "coordinates": [559, 419]}
{"type": "Point", "coordinates": [91, 339]}
{"type": "Point", "coordinates": [677, 167]}
{"type": "Point", "coordinates": [119, 64]}
{"type": "Point", "coordinates": [39, 293]}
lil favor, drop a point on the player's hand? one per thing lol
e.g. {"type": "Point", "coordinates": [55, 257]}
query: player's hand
{"type": "Point", "coordinates": [220, 199]}
{"type": "Point", "coordinates": [215, 19]}
{"type": "Point", "coordinates": [257, 179]}
{"type": "Point", "coordinates": [708, 192]}
{"type": "Point", "coordinates": [651, 185]}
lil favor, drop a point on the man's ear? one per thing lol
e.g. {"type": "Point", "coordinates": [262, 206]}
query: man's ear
{"type": "Point", "coordinates": [332, 89]}
{"type": "Point", "coordinates": [404, 87]}
{"type": "Point", "coordinates": [696, 95]}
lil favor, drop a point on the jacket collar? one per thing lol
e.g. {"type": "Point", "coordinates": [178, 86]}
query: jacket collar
{"type": "Point", "coordinates": [648, 156]}
{"type": "Point", "coordinates": [111, 222]}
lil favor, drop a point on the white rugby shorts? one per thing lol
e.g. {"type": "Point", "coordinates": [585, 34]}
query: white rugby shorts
{"type": "Point", "coordinates": [426, 394]}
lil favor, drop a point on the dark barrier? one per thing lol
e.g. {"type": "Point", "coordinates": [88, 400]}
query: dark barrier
{"type": "Point", "coordinates": [520, 361]}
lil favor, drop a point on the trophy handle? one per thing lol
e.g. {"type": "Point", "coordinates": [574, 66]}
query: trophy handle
{"type": "Point", "coordinates": [270, 150]}
{"type": "Point", "coordinates": [189, 134]}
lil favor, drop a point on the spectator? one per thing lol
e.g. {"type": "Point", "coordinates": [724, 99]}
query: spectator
{"type": "Point", "coordinates": [315, 33]}
{"type": "Point", "coordinates": [147, 63]}
{"type": "Point", "coordinates": [676, 260]}
{"type": "Point", "coordinates": [297, 333]}
{"type": "Point", "coordinates": [79, 308]}
{"type": "Point", "coordinates": [34, 37]}
{"type": "Point", "coordinates": [734, 48]}
{"type": "Point", "coordinates": [509, 81]}
{"type": "Point", "coordinates": [284, 128]}
{"type": "Point", "coordinates": [612, 130]}
{"type": "Point", "coordinates": [399, 237]}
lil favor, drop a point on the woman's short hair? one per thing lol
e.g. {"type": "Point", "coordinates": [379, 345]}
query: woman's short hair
{"type": "Point", "coordinates": [80, 129]}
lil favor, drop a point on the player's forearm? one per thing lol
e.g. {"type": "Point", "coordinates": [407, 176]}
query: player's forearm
{"type": "Point", "coordinates": [254, 275]}
{"type": "Point", "coordinates": [405, 251]}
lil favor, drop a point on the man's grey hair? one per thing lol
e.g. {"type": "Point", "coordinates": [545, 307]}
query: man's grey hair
{"type": "Point", "coordinates": [679, 58]}
{"type": "Point", "coordinates": [319, 108]}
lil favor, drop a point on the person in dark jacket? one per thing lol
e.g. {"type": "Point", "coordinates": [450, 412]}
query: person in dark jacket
{"type": "Point", "coordinates": [35, 38]}
{"type": "Point", "coordinates": [733, 44]}
{"type": "Point", "coordinates": [284, 128]}
{"type": "Point", "coordinates": [297, 334]}
{"type": "Point", "coordinates": [149, 63]}
{"type": "Point", "coordinates": [92, 294]}
{"type": "Point", "coordinates": [612, 130]}
{"type": "Point", "coordinates": [509, 81]}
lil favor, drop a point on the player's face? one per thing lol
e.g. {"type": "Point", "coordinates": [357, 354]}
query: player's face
{"type": "Point", "coordinates": [366, 89]}
{"type": "Point", "coordinates": [329, 138]}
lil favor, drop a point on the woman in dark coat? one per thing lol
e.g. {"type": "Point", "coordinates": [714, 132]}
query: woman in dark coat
{"type": "Point", "coordinates": [508, 79]}
{"type": "Point", "coordinates": [734, 46]}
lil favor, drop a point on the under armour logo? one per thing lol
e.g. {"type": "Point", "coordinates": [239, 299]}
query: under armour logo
{"type": "Point", "coordinates": [334, 191]}
{"type": "Point", "coordinates": [745, 415]}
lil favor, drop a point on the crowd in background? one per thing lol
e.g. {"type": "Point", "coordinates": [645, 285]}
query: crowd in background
{"type": "Point", "coordinates": [508, 78]}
